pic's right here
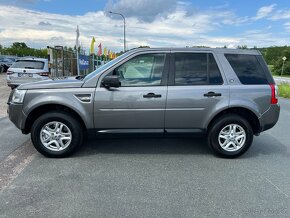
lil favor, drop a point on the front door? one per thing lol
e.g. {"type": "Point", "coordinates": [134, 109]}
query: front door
{"type": "Point", "coordinates": [139, 103]}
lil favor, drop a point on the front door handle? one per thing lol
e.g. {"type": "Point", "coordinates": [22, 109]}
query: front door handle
{"type": "Point", "coordinates": [152, 95]}
{"type": "Point", "coordinates": [212, 94]}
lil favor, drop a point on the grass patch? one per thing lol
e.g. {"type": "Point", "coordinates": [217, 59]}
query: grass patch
{"type": "Point", "coordinates": [284, 90]}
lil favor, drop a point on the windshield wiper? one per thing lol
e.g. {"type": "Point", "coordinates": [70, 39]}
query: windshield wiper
{"type": "Point", "coordinates": [81, 77]}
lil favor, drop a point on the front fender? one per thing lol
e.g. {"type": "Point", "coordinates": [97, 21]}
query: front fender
{"type": "Point", "coordinates": [64, 97]}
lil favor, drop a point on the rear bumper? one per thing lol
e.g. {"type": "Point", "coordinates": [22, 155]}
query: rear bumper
{"type": "Point", "coordinates": [270, 117]}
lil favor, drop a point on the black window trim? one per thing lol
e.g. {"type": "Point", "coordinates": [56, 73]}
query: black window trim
{"type": "Point", "coordinates": [171, 79]}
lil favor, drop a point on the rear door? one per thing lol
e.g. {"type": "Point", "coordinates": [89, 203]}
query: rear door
{"type": "Point", "coordinates": [196, 90]}
{"type": "Point", "coordinates": [139, 104]}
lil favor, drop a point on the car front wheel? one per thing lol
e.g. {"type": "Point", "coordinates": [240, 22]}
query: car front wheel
{"type": "Point", "coordinates": [230, 136]}
{"type": "Point", "coordinates": [56, 134]}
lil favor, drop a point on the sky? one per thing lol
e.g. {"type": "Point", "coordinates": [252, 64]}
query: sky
{"type": "Point", "coordinates": [154, 23]}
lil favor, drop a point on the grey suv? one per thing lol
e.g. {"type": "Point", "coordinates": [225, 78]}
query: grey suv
{"type": "Point", "coordinates": [227, 95]}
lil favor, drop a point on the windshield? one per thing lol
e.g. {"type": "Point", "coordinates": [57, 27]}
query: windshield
{"type": "Point", "coordinates": [105, 66]}
{"type": "Point", "coordinates": [28, 64]}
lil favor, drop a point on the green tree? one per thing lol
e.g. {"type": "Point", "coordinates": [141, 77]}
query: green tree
{"type": "Point", "coordinates": [272, 54]}
{"type": "Point", "coordinates": [242, 47]}
{"type": "Point", "coordinates": [277, 69]}
{"type": "Point", "coordinates": [19, 45]}
{"type": "Point", "coordinates": [21, 49]}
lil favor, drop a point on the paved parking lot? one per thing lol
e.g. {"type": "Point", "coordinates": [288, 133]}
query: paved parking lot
{"type": "Point", "coordinates": [148, 177]}
{"type": "Point", "coordinates": [4, 94]}
{"type": "Point", "coordinates": [279, 79]}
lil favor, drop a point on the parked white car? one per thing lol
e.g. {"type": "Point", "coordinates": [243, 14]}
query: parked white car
{"type": "Point", "coordinates": [27, 70]}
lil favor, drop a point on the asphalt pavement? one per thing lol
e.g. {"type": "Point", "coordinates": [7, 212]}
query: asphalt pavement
{"type": "Point", "coordinates": [10, 138]}
{"type": "Point", "coordinates": [148, 177]}
{"type": "Point", "coordinates": [279, 79]}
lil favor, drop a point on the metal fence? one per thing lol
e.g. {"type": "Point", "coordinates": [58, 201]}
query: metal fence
{"type": "Point", "coordinates": [63, 63]}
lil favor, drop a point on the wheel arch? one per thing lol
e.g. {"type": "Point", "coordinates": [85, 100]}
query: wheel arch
{"type": "Point", "coordinates": [246, 113]}
{"type": "Point", "coordinates": [45, 108]}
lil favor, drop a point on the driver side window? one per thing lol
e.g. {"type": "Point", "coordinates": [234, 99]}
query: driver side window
{"type": "Point", "coordinates": [142, 70]}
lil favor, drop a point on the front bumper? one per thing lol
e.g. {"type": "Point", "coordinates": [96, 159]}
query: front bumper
{"type": "Point", "coordinates": [270, 117]}
{"type": "Point", "coordinates": [16, 115]}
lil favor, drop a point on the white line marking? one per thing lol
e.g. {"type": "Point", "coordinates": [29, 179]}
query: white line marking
{"type": "Point", "coordinates": [279, 190]}
{"type": "Point", "coordinates": [15, 163]}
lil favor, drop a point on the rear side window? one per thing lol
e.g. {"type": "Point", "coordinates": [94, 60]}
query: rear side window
{"type": "Point", "coordinates": [28, 64]}
{"type": "Point", "coordinates": [247, 68]}
{"type": "Point", "coordinates": [196, 69]}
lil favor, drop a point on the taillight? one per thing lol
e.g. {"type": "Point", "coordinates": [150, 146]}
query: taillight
{"type": "Point", "coordinates": [274, 94]}
{"type": "Point", "coordinates": [44, 74]}
{"type": "Point", "coordinates": [9, 72]}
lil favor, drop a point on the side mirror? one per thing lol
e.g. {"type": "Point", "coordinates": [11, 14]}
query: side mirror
{"type": "Point", "coordinates": [111, 81]}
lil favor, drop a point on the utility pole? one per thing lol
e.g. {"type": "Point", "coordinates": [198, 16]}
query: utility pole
{"type": "Point", "coordinates": [77, 47]}
{"type": "Point", "coordinates": [124, 27]}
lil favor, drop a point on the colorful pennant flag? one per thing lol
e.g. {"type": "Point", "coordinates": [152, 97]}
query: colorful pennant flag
{"type": "Point", "coordinates": [100, 50]}
{"type": "Point", "coordinates": [92, 50]}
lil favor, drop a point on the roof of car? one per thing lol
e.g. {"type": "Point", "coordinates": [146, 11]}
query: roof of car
{"type": "Point", "coordinates": [195, 49]}
{"type": "Point", "coordinates": [32, 59]}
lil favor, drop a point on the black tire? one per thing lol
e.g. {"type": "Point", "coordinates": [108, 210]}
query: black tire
{"type": "Point", "coordinates": [222, 122]}
{"type": "Point", "coordinates": [74, 126]}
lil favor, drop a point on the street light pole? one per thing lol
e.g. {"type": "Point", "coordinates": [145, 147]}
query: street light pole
{"type": "Point", "coordinates": [124, 27]}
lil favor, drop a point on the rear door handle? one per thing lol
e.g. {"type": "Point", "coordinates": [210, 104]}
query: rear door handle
{"type": "Point", "coordinates": [212, 94]}
{"type": "Point", "coordinates": [152, 95]}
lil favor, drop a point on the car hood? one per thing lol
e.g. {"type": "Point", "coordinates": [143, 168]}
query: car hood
{"type": "Point", "coordinates": [70, 82]}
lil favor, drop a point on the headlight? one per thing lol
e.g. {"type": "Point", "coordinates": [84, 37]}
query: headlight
{"type": "Point", "coordinates": [18, 96]}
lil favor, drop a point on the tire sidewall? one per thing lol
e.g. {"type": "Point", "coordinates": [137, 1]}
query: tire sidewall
{"type": "Point", "coordinates": [219, 125]}
{"type": "Point", "coordinates": [69, 121]}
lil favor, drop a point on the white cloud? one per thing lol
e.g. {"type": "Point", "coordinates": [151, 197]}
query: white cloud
{"type": "Point", "coordinates": [265, 11]}
{"type": "Point", "coordinates": [176, 29]}
{"type": "Point", "coordinates": [287, 27]}
{"type": "Point", "coordinates": [145, 11]}
{"type": "Point", "coordinates": [281, 14]}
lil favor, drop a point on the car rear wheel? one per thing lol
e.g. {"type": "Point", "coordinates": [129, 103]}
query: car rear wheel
{"type": "Point", "coordinates": [56, 134]}
{"type": "Point", "coordinates": [230, 136]}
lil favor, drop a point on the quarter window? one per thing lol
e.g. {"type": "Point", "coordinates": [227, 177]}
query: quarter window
{"type": "Point", "coordinates": [247, 68]}
{"type": "Point", "coordinates": [196, 69]}
{"type": "Point", "coordinates": [143, 70]}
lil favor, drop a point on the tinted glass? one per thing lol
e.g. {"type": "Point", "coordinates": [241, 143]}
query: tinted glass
{"type": "Point", "coordinates": [214, 72]}
{"type": "Point", "coordinates": [143, 70]}
{"type": "Point", "coordinates": [28, 64]}
{"type": "Point", "coordinates": [247, 68]}
{"type": "Point", "coordinates": [196, 69]}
